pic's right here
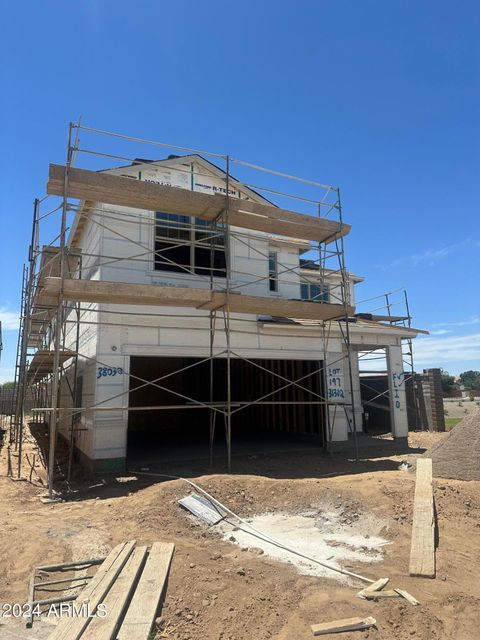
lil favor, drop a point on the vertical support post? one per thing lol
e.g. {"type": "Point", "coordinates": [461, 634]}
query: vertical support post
{"type": "Point", "coordinates": [13, 406]}
{"type": "Point", "coordinates": [396, 386]}
{"type": "Point", "coordinates": [227, 316]}
{"type": "Point", "coordinates": [346, 301]}
{"type": "Point", "coordinates": [74, 391]}
{"type": "Point", "coordinates": [19, 414]}
{"type": "Point", "coordinates": [58, 324]}
{"type": "Point", "coordinates": [213, 317]}
{"type": "Point", "coordinates": [388, 305]}
{"type": "Point", "coordinates": [416, 411]}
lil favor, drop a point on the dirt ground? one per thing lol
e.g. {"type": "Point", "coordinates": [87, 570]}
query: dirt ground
{"type": "Point", "coordinates": [220, 591]}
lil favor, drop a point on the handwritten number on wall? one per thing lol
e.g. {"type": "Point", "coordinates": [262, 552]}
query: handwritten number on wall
{"type": "Point", "coordinates": [109, 371]}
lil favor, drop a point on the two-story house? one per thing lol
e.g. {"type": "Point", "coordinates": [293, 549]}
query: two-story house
{"type": "Point", "coordinates": [152, 378]}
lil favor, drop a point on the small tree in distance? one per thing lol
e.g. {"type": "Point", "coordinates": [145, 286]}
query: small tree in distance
{"type": "Point", "coordinates": [470, 379]}
{"type": "Point", "coordinates": [448, 382]}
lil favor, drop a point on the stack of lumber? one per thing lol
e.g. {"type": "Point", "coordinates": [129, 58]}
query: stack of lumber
{"type": "Point", "coordinates": [121, 601]}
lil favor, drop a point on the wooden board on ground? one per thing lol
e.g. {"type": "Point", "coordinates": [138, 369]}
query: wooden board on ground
{"type": "Point", "coordinates": [72, 628]}
{"type": "Point", "coordinates": [422, 551]}
{"type": "Point", "coordinates": [143, 607]}
{"type": "Point", "coordinates": [378, 595]}
{"type": "Point", "coordinates": [375, 586]}
{"type": "Point", "coordinates": [346, 624]}
{"type": "Point", "coordinates": [407, 596]}
{"type": "Point", "coordinates": [106, 627]}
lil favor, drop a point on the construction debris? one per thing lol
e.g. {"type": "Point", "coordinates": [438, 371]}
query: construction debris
{"type": "Point", "coordinates": [346, 624]}
{"type": "Point", "coordinates": [129, 585]}
{"type": "Point", "coordinates": [422, 552]}
{"type": "Point", "coordinates": [407, 596]}
{"type": "Point", "coordinates": [260, 534]}
{"type": "Point", "coordinates": [375, 586]}
{"type": "Point", "coordinates": [38, 583]}
{"type": "Point", "coordinates": [378, 595]}
{"type": "Point", "coordinates": [202, 508]}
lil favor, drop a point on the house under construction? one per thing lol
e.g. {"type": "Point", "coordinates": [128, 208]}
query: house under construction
{"type": "Point", "coordinates": [193, 301]}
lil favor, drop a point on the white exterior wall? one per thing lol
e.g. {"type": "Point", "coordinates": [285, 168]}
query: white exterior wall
{"type": "Point", "coordinates": [91, 248]}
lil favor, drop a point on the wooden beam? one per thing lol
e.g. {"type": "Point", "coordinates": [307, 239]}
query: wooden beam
{"type": "Point", "coordinates": [143, 607]}
{"type": "Point", "coordinates": [346, 624]}
{"type": "Point", "coordinates": [422, 551]}
{"type": "Point", "coordinates": [106, 627]}
{"type": "Point", "coordinates": [407, 596]}
{"type": "Point", "coordinates": [103, 291]}
{"type": "Point", "coordinates": [94, 593]}
{"type": "Point", "coordinates": [126, 293]}
{"type": "Point", "coordinates": [375, 586]}
{"type": "Point", "coordinates": [104, 187]}
{"type": "Point", "coordinates": [378, 595]}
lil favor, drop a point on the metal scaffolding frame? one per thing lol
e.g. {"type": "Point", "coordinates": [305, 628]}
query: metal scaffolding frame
{"type": "Point", "coordinates": [55, 322]}
{"type": "Point", "coordinates": [401, 318]}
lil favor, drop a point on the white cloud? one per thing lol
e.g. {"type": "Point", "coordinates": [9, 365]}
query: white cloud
{"type": "Point", "coordinates": [430, 257]}
{"type": "Point", "coordinates": [9, 319]}
{"type": "Point", "coordinates": [439, 332]}
{"type": "Point", "coordinates": [434, 352]}
{"type": "Point", "coordinates": [460, 323]}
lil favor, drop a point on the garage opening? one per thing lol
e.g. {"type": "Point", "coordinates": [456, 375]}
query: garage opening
{"type": "Point", "coordinates": [184, 431]}
{"type": "Point", "coordinates": [376, 403]}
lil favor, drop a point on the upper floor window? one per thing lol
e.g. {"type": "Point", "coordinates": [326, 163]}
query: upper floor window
{"type": "Point", "coordinates": [314, 292]}
{"type": "Point", "coordinates": [188, 245]}
{"type": "Point", "coordinates": [272, 271]}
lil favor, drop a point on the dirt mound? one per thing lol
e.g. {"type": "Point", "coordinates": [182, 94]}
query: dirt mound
{"type": "Point", "coordinates": [457, 455]}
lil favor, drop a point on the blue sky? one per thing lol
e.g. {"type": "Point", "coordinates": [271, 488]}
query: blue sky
{"type": "Point", "coordinates": [379, 97]}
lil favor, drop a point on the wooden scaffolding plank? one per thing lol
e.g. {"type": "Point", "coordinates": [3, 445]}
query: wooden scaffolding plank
{"type": "Point", "coordinates": [103, 187]}
{"type": "Point", "coordinates": [127, 293]}
{"type": "Point", "coordinates": [422, 551]}
{"type": "Point", "coordinates": [150, 294]}
{"type": "Point", "coordinates": [93, 594]}
{"type": "Point", "coordinates": [42, 363]}
{"type": "Point", "coordinates": [143, 607]}
{"type": "Point", "coordinates": [105, 628]}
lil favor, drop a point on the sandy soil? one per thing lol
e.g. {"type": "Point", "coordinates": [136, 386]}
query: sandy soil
{"type": "Point", "coordinates": [220, 591]}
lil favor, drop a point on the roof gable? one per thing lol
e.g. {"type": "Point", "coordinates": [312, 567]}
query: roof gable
{"type": "Point", "coordinates": [193, 172]}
